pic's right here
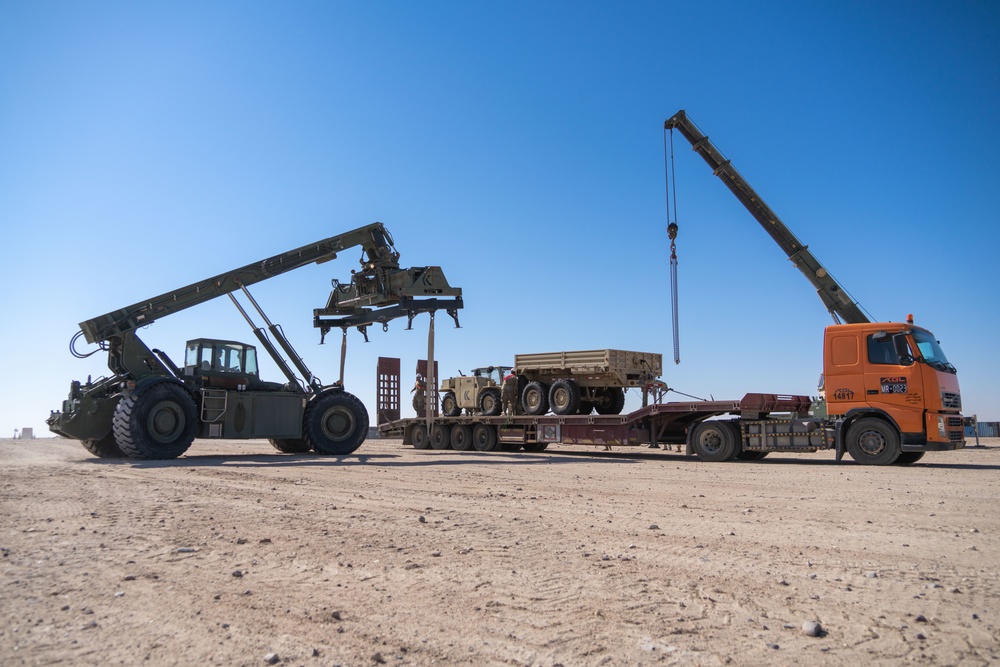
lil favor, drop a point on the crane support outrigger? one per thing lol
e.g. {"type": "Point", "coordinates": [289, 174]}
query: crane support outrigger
{"type": "Point", "coordinates": [151, 408]}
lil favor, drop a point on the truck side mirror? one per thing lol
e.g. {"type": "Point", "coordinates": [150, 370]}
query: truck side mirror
{"type": "Point", "coordinates": [902, 350]}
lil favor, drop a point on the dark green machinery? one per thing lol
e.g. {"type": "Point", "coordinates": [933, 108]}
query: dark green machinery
{"type": "Point", "coordinates": [150, 408]}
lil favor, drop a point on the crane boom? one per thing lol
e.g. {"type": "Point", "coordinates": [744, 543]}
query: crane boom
{"type": "Point", "coordinates": [374, 240]}
{"type": "Point", "coordinates": [840, 304]}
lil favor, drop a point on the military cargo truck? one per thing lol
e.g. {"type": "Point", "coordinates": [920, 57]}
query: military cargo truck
{"type": "Point", "coordinates": [578, 382]}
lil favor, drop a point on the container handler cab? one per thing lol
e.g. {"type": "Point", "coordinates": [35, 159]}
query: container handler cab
{"type": "Point", "coordinates": [150, 408]}
{"type": "Point", "coordinates": [890, 392]}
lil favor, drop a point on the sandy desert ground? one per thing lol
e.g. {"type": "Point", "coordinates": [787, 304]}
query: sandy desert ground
{"type": "Point", "coordinates": [238, 555]}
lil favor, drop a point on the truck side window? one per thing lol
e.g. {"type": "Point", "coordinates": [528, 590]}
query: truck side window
{"type": "Point", "coordinates": [881, 351]}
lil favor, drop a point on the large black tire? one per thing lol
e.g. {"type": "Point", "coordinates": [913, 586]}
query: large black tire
{"type": "Point", "coordinates": [535, 398]}
{"type": "Point", "coordinates": [564, 397]}
{"type": "Point", "coordinates": [484, 437]}
{"type": "Point", "coordinates": [908, 458]}
{"type": "Point", "coordinates": [873, 442]}
{"type": "Point", "coordinates": [611, 401]}
{"type": "Point", "coordinates": [290, 445]}
{"type": "Point", "coordinates": [535, 446]}
{"type": "Point", "coordinates": [335, 423]}
{"type": "Point", "coordinates": [440, 436]}
{"type": "Point", "coordinates": [586, 407]}
{"type": "Point", "coordinates": [418, 437]}
{"type": "Point", "coordinates": [449, 405]}
{"type": "Point", "coordinates": [155, 422]}
{"type": "Point", "coordinates": [461, 437]}
{"type": "Point", "coordinates": [489, 402]}
{"type": "Point", "coordinates": [751, 456]}
{"type": "Point", "coordinates": [105, 448]}
{"type": "Point", "coordinates": [714, 441]}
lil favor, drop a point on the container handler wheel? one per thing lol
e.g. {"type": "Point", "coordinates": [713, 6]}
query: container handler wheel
{"type": "Point", "coordinates": [908, 458]}
{"type": "Point", "coordinates": [611, 401]}
{"type": "Point", "coordinates": [714, 441]}
{"type": "Point", "coordinates": [290, 445]}
{"type": "Point", "coordinates": [440, 436]}
{"type": "Point", "coordinates": [751, 456]}
{"type": "Point", "coordinates": [484, 437]}
{"type": "Point", "coordinates": [564, 397]}
{"type": "Point", "coordinates": [418, 437]}
{"type": "Point", "coordinates": [155, 422]}
{"type": "Point", "coordinates": [105, 448]}
{"type": "Point", "coordinates": [489, 402]}
{"type": "Point", "coordinates": [449, 405]}
{"type": "Point", "coordinates": [535, 398]}
{"type": "Point", "coordinates": [873, 442]}
{"type": "Point", "coordinates": [335, 423]}
{"type": "Point", "coordinates": [461, 437]}
{"type": "Point", "coordinates": [535, 446]}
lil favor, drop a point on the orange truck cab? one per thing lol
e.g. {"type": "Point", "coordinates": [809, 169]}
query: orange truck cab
{"type": "Point", "coordinates": [891, 390]}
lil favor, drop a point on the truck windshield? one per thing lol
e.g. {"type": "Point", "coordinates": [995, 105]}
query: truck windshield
{"type": "Point", "coordinates": [931, 351]}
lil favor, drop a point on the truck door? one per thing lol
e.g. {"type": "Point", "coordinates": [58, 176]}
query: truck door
{"type": "Point", "coordinates": [893, 382]}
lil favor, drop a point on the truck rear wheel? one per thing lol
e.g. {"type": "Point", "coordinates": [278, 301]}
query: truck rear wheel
{"type": "Point", "coordinates": [535, 398]}
{"type": "Point", "coordinates": [449, 405]}
{"type": "Point", "coordinates": [105, 448]}
{"type": "Point", "coordinates": [873, 442]}
{"type": "Point", "coordinates": [751, 456]}
{"type": "Point", "coordinates": [489, 402]}
{"type": "Point", "coordinates": [418, 437]}
{"type": "Point", "coordinates": [335, 423]}
{"type": "Point", "coordinates": [564, 397]}
{"type": "Point", "coordinates": [440, 436]}
{"type": "Point", "coordinates": [713, 441]}
{"type": "Point", "coordinates": [290, 445]}
{"type": "Point", "coordinates": [484, 437]}
{"type": "Point", "coordinates": [610, 401]}
{"type": "Point", "coordinates": [461, 437]}
{"type": "Point", "coordinates": [155, 422]}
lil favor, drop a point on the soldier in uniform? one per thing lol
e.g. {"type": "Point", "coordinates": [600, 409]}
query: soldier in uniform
{"type": "Point", "coordinates": [508, 394]}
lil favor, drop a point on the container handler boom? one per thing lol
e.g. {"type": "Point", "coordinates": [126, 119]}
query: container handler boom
{"type": "Point", "coordinates": [840, 304]}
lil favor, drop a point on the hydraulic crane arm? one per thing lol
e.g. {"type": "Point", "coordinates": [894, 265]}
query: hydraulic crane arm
{"type": "Point", "coordinates": [834, 297]}
{"type": "Point", "coordinates": [373, 238]}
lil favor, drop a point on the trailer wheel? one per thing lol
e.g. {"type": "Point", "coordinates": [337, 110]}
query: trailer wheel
{"type": "Point", "coordinates": [535, 446]}
{"type": "Point", "coordinates": [461, 437]}
{"type": "Point", "coordinates": [105, 448]}
{"type": "Point", "coordinates": [751, 456]}
{"type": "Point", "coordinates": [535, 398]}
{"type": "Point", "coordinates": [449, 405]}
{"type": "Point", "coordinates": [290, 445]}
{"type": "Point", "coordinates": [440, 436]}
{"type": "Point", "coordinates": [335, 423]}
{"type": "Point", "coordinates": [873, 442]}
{"type": "Point", "coordinates": [908, 458]}
{"type": "Point", "coordinates": [611, 400]}
{"type": "Point", "coordinates": [713, 441]}
{"type": "Point", "coordinates": [156, 422]}
{"type": "Point", "coordinates": [564, 397]}
{"type": "Point", "coordinates": [484, 437]}
{"type": "Point", "coordinates": [489, 402]}
{"type": "Point", "coordinates": [418, 437]}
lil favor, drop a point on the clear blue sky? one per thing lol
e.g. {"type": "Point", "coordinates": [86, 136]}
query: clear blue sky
{"type": "Point", "coordinates": [518, 145]}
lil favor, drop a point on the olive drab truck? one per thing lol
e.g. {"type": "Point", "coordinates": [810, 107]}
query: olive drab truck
{"type": "Point", "coordinates": [151, 408]}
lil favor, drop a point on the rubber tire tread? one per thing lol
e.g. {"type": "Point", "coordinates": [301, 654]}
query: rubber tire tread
{"type": "Point", "coordinates": [131, 411]}
{"type": "Point", "coordinates": [449, 405]}
{"type": "Point", "coordinates": [105, 448]}
{"type": "Point", "coordinates": [312, 423]}
{"type": "Point", "coordinates": [487, 409]}
{"type": "Point", "coordinates": [290, 445]}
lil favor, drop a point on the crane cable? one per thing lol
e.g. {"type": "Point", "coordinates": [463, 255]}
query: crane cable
{"type": "Point", "coordinates": [671, 183]}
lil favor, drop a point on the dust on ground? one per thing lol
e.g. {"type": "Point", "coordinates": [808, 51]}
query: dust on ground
{"type": "Point", "coordinates": [236, 554]}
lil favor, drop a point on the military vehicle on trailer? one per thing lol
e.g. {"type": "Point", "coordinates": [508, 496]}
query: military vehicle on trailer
{"type": "Point", "coordinates": [476, 393]}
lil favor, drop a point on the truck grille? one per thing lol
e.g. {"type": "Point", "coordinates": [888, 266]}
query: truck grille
{"type": "Point", "coordinates": [951, 401]}
{"type": "Point", "coordinates": [954, 422]}
{"type": "Point", "coordinates": [956, 436]}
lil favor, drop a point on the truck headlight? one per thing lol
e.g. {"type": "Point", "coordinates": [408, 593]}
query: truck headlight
{"type": "Point", "coordinates": [941, 430]}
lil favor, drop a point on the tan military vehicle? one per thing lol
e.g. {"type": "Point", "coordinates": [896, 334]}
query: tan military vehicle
{"type": "Point", "coordinates": [478, 393]}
